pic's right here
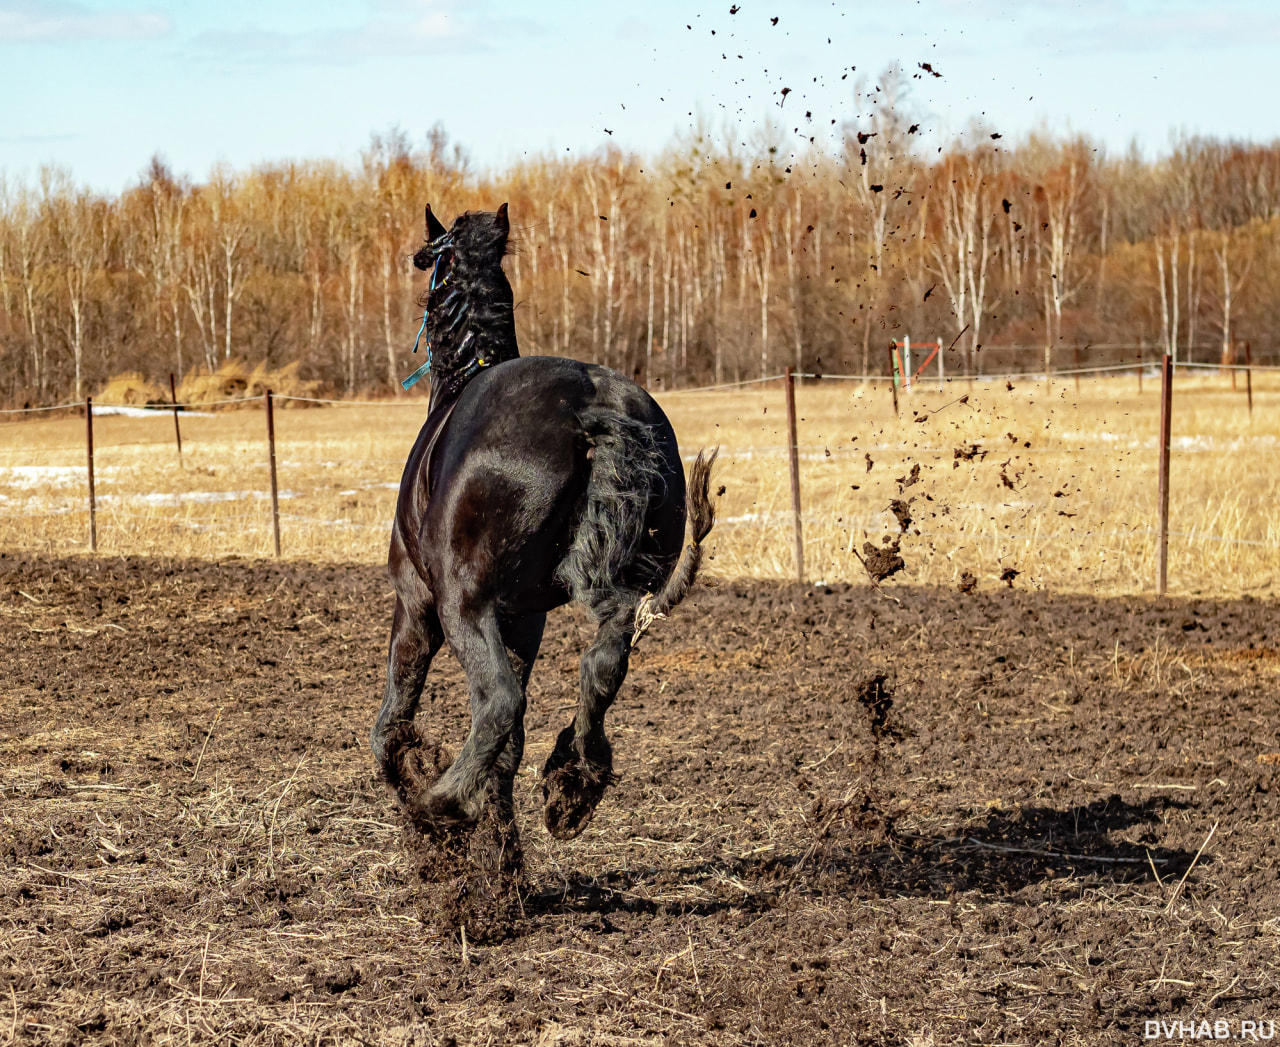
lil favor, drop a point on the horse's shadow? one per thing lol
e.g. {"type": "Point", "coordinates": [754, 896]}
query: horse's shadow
{"type": "Point", "coordinates": [1007, 853]}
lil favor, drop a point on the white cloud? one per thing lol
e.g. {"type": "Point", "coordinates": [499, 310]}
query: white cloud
{"type": "Point", "coordinates": [39, 139]}
{"type": "Point", "coordinates": [1128, 26]}
{"type": "Point", "coordinates": [1196, 30]}
{"type": "Point", "coordinates": [395, 28]}
{"type": "Point", "coordinates": [28, 21]}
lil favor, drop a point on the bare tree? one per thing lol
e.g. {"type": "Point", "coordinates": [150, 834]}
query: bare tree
{"type": "Point", "coordinates": [962, 194]}
{"type": "Point", "coordinates": [76, 219]}
{"type": "Point", "coordinates": [308, 261]}
{"type": "Point", "coordinates": [1060, 189]}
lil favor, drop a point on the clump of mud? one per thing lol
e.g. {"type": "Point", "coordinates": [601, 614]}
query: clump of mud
{"type": "Point", "coordinates": [858, 819]}
{"type": "Point", "coordinates": [902, 513]}
{"type": "Point", "coordinates": [1010, 482]}
{"type": "Point", "coordinates": [472, 885]}
{"type": "Point", "coordinates": [470, 874]}
{"type": "Point", "coordinates": [877, 698]}
{"type": "Point", "coordinates": [911, 478]}
{"type": "Point", "coordinates": [883, 562]}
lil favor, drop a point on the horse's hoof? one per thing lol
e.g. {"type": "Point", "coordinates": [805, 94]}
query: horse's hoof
{"type": "Point", "coordinates": [440, 817]}
{"type": "Point", "coordinates": [574, 780]}
{"type": "Point", "coordinates": [412, 769]}
{"type": "Point", "coordinates": [571, 793]}
{"type": "Point", "coordinates": [413, 763]}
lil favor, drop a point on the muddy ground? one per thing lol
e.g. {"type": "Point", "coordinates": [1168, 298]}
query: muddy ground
{"type": "Point", "coordinates": [193, 845]}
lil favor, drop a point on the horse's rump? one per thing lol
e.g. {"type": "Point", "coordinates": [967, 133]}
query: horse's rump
{"type": "Point", "coordinates": [572, 465]}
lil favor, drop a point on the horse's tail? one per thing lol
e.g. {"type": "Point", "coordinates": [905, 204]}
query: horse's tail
{"type": "Point", "coordinates": [702, 517]}
{"type": "Point", "coordinates": [627, 469]}
{"type": "Point", "coordinates": [603, 568]}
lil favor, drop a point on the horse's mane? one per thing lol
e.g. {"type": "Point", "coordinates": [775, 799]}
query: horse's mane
{"type": "Point", "coordinates": [469, 321]}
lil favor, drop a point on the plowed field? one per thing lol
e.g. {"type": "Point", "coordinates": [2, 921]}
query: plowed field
{"type": "Point", "coordinates": [1065, 828]}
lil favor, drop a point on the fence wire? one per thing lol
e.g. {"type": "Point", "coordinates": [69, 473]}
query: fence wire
{"type": "Point", "coordinates": [1147, 365]}
{"type": "Point", "coordinates": [809, 452]}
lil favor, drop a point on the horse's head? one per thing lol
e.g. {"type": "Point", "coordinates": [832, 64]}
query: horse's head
{"type": "Point", "coordinates": [475, 245]}
{"type": "Point", "coordinates": [468, 300]}
{"type": "Point", "coordinates": [426, 255]}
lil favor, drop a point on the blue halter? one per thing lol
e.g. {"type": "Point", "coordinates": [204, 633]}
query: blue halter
{"type": "Point", "coordinates": [426, 367]}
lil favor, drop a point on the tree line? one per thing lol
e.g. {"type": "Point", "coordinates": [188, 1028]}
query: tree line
{"type": "Point", "coordinates": [707, 263]}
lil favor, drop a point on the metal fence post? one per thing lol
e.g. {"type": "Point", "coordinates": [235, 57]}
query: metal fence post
{"type": "Point", "coordinates": [1248, 374]}
{"type": "Point", "coordinates": [1166, 411]}
{"type": "Point", "coordinates": [93, 501]}
{"type": "Point", "coordinates": [793, 452]}
{"type": "Point", "coordinates": [893, 374]}
{"type": "Point", "coordinates": [275, 493]}
{"type": "Point", "coordinates": [173, 395]}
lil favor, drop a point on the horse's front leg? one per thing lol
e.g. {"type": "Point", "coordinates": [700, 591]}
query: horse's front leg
{"type": "Point", "coordinates": [416, 637]}
{"type": "Point", "coordinates": [497, 712]}
{"type": "Point", "coordinates": [580, 767]}
{"type": "Point", "coordinates": [523, 638]}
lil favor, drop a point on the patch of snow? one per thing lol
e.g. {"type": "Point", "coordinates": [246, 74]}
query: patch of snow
{"type": "Point", "coordinates": [145, 412]}
{"type": "Point", "coordinates": [49, 475]}
{"type": "Point", "coordinates": [191, 497]}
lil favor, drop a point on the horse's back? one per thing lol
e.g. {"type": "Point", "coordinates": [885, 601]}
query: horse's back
{"type": "Point", "coordinates": [509, 475]}
{"type": "Point", "coordinates": [552, 384]}
{"type": "Point", "coordinates": [536, 406]}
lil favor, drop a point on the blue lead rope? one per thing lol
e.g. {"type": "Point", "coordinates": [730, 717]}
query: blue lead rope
{"type": "Point", "coordinates": [419, 337]}
{"type": "Point", "coordinates": [426, 367]}
{"type": "Point", "coordinates": [413, 378]}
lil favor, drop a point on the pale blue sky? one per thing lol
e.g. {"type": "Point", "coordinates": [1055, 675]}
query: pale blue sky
{"type": "Point", "coordinates": [99, 85]}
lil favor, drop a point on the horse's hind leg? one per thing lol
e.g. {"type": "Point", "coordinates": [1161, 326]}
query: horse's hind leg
{"type": "Point", "coordinates": [495, 845]}
{"type": "Point", "coordinates": [581, 766]}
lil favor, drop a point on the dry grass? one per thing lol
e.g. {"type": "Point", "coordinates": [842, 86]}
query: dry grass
{"type": "Point", "coordinates": [233, 380]}
{"type": "Point", "coordinates": [193, 848]}
{"type": "Point", "coordinates": [1074, 510]}
{"type": "Point", "coordinates": [1063, 488]}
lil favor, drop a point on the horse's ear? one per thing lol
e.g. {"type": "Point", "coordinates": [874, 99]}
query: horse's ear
{"type": "Point", "coordinates": [434, 229]}
{"type": "Point", "coordinates": [501, 221]}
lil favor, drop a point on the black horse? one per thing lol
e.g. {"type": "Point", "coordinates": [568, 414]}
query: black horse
{"type": "Point", "coordinates": [534, 481]}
